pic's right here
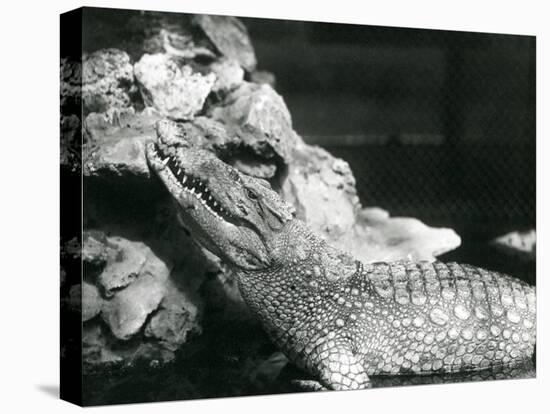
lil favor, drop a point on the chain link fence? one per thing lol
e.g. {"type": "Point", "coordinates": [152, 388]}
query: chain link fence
{"type": "Point", "coordinates": [435, 124]}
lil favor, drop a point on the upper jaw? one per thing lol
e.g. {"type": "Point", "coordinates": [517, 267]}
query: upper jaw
{"type": "Point", "coordinates": [185, 187]}
{"type": "Point", "coordinates": [201, 207]}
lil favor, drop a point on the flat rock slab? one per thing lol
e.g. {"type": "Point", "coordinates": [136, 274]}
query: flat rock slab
{"type": "Point", "coordinates": [115, 143]}
{"type": "Point", "coordinates": [379, 237]}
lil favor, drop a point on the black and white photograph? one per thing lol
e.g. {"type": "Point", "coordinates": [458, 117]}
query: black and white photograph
{"type": "Point", "coordinates": [274, 206]}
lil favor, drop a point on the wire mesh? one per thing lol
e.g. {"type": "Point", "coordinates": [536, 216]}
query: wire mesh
{"type": "Point", "coordinates": [435, 124]}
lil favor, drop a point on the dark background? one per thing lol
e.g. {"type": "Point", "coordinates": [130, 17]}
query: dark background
{"type": "Point", "coordinates": [437, 125]}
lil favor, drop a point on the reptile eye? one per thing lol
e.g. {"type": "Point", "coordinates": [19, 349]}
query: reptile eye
{"type": "Point", "coordinates": [251, 195]}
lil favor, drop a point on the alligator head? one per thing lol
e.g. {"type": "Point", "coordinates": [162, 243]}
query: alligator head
{"type": "Point", "coordinates": [235, 216]}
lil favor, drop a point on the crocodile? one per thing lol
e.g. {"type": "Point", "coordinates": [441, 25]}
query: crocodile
{"type": "Point", "coordinates": [334, 317]}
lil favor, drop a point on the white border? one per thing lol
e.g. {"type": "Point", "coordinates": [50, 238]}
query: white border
{"type": "Point", "coordinates": [30, 193]}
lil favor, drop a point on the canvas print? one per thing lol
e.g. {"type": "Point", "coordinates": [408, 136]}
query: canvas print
{"type": "Point", "coordinates": [258, 206]}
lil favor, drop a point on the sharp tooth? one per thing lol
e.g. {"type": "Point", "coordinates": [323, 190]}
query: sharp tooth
{"type": "Point", "coordinates": [215, 204]}
{"type": "Point", "coordinates": [165, 161]}
{"type": "Point", "coordinates": [179, 171]}
{"type": "Point", "coordinates": [184, 179]}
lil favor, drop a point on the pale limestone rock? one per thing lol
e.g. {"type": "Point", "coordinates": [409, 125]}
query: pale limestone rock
{"type": "Point", "coordinates": [176, 92]}
{"type": "Point", "coordinates": [229, 75]}
{"type": "Point", "coordinates": [378, 237]}
{"type": "Point", "coordinates": [129, 260]}
{"type": "Point", "coordinates": [127, 311]}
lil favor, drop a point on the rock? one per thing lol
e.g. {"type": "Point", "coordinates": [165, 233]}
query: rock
{"type": "Point", "coordinates": [263, 77]}
{"type": "Point", "coordinates": [175, 41]}
{"type": "Point", "coordinates": [107, 81]}
{"type": "Point", "coordinates": [127, 311]}
{"type": "Point", "coordinates": [91, 301]}
{"type": "Point", "coordinates": [94, 346]}
{"type": "Point", "coordinates": [144, 298]}
{"type": "Point", "coordinates": [115, 144]}
{"type": "Point", "coordinates": [176, 92]}
{"type": "Point", "coordinates": [378, 237]}
{"type": "Point", "coordinates": [127, 262]}
{"type": "Point", "coordinates": [521, 244]}
{"type": "Point", "coordinates": [101, 351]}
{"type": "Point", "coordinates": [250, 151]}
{"type": "Point", "coordinates": [120, 261]}
{"type": "Point", "coordinates": [94, 248]}
{"type": "Point", "coordinates": [230, 37]}
{"type": "Point", "coordinates": [255, 168]}
{"type": "Point", "coordinates": [322, 189]}
{"type": "Point", "coordinates": [176, 318]}
{"type": "Point", "coordinates": [121, 157]}
{"type": "Point", "coordinates": [229, 75]}
{"type": "Point", "coordinates": [72, 248]}
{"type": "Point", "coordinates": [259, 110]}
{"type": "Point", "coordinates": [124, 264]}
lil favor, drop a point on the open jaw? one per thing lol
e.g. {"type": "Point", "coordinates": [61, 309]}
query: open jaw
{"type": "Point", "coordinates": [199, 183]}
{"type": "Point", "coordinates": [187, 188]}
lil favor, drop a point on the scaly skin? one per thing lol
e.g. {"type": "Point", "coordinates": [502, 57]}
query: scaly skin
{"type": "Point", "coordinates": [337, 318]}
{"type": "Point", "coordinates": [343, 320]}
